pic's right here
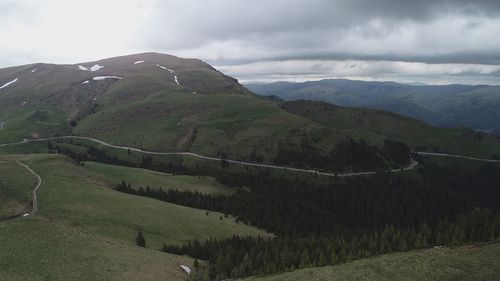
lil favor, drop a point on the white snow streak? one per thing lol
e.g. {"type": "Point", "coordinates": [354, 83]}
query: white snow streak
{"type": "Point", "coordinates": [186, 269]}
{"type": "Point", "coordinates": [85, 82]}
{"type": "Point", "coordinates": [33, 70]}
{"type": "Point", "coordinates": [171, 71]}
{"type": "Point", "coordinates": [24, 102]}
{"type": "Point", "coordinates": [2, 123]}
{"type": "Point", "coordinates": [8, 83]}
{"type": "Point", "coordinates": [82, 67]}
{"type": "Point", "coordinates": [138, 62]}
{"type": "Point", "coordinates": [97, 78]}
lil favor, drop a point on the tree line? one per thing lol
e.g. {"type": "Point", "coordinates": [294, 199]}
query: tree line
{"type": "Point", "coordinates": [349, 155]}
{"type": "Point", "coordinates": [246, 256]}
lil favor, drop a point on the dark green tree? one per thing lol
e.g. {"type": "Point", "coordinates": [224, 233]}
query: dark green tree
{"type": "Point", "coordinates": [139, 240]}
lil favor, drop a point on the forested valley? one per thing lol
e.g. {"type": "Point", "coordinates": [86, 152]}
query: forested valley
{"type": "Point", "coordinates": [318, 222]}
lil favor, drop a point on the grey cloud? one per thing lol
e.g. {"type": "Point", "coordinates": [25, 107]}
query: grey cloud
{"type": "Point", "coordinates": [280, 29]}
{"type": "Point", "coordinates": [240, 32]}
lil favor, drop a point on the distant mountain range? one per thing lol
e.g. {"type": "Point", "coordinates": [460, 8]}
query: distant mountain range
{"type": "Point", "coordinates": [477, 106]}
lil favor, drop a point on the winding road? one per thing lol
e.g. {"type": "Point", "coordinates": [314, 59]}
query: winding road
{"type": "Point", "coordinates": [458, 156]}
{"type": "Point", "coordinates": [412, 165]}
{"type": "Point", "coordinates": [39, 179]}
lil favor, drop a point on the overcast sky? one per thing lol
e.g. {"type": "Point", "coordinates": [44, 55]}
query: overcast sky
{"type": "Point", "coordinates": [427, 41]}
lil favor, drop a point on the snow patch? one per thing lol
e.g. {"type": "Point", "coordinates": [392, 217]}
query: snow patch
{"type": "Point", "coordinates": [25, 215]}
{"type": "Point", "coordinates": [93, 68]}
{"type": "Point", "coordinates": [24, 102]}
{"type": "Point", "coordinates": [33, 71]}
{"type": "Point", "coordinates": [85, 82]}
{"type": "Point", "coordinates": [97, 78]}
{"type": "Point", "coordinates": [176, 80]}
{"type": "Point", "coordinates": [171, 70]}
{"type": "Point", "coordinates": [96, 67]}
{"type": "Point", "coordinates": [8, 83]}
{"type": "Point", "coordinates": [186, 269]}
{"type": "Point", "coordinates": [2, 123]}
{"type": "Point", "coordinates": [138, 62]}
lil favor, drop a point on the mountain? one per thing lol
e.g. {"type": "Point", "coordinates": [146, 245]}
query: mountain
{"type": "Point", "coordinates": [161, 102]}
{"type": "Point", "coordinates": [476, 106]}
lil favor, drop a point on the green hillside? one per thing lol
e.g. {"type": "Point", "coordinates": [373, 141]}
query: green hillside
{"type": "Point", "coordinates": [80, 215]}
{"type": "Point", "coordinates": [37, 248]}
{"type": "Point", "coordinates": [479, 263]}
{"type": "Point", "coordinates": [417, 134]}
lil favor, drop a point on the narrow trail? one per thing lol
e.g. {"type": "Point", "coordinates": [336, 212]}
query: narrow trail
{"type": "Point", "coordinates": [35, 202]}
{"type": "Point", "coordinates": [412, 165]}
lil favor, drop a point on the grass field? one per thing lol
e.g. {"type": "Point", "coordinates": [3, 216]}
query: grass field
{"type": "Point", "coordinates": [141, 177]}
{"type": "Point", "coordinates": [465, 263]}
{"type": "Point", "coordinates": [80, 216]}
{"type": "Point", "coordinates": [38, 248]}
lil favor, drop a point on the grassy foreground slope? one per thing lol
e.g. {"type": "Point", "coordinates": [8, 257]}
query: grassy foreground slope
{"type": "Point", "coordinates": [80, 216]}
{"type": "Point", "coordinates": [37, 248]}
{"type": "Point", "coordinates": [478, 263]}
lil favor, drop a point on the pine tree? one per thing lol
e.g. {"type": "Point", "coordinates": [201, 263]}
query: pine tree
{"type": "Point", "coordinates": [139, 240]}
{"type": "Point", "coordinates": [333, 258]}
{"type": "Point", "coordinates": [304, 258]}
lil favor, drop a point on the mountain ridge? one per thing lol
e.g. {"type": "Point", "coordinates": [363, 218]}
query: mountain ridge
{"type": "Point", "coordinates": [164, 103]}
{"type": "Point", "coordinates": [439, 105]}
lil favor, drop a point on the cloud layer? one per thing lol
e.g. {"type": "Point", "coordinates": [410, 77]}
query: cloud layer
{"type": "Point", "coordinates": [426, 41]}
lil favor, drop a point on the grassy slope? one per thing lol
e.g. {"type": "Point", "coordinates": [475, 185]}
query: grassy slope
{"type": "Point", "coordinates": [30, 123]}
{"type": "Point", "coordinates": [208, 124]}
{"type": "Point", "coordinates": [78, 219]}
{"type": "Point", "coordinates": [36, 248]}
{"type": "Point", "coordinates": [142, 177]}
{"type": "Point", "coordinates": [478, 263]}
{"type": "Point", "coordinates": [16, 186]}
{"type": "Point", "coordinates": [396, 127]}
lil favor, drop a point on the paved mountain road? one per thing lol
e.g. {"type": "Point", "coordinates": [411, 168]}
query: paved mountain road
{"type": "Point", "coordinates": [458, 156]}
{"type": "Point", "coordinates": [412, 165]}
